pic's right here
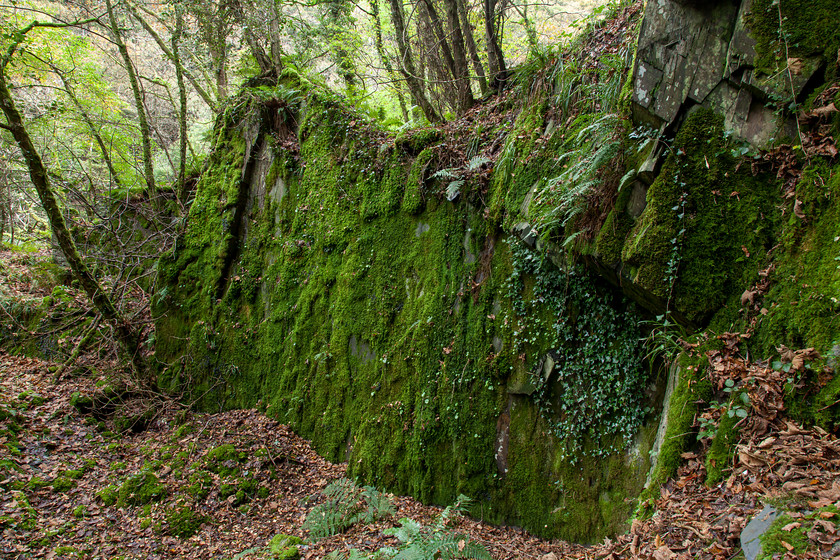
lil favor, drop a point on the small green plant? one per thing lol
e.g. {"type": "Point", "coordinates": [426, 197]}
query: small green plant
{"type": "Point", "coordinates": [346, 504]}
{"type": "Point", "coordinates": [438, 541]}
{"type": "Point", "coordinates": [740, 402]}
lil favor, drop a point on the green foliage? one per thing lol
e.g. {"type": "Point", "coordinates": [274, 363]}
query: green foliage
{"type": "Point", "coordinates": [595, 389]}
{"type": "Point", "coordinates": [794, 28]}
{"type": "Point", "coordinates": [692, 222]}
{"type": "Point", "coordinates": [595, 145]}
{"type": "Point", "coordinates": [803, 301]}
{"type": "Point", "coordinates": [356, 279]}
{"type": "Point", "coordinates": [346, 504]}
{"type": "Point", "coordinates": [138, 489]}
{"type": "Point", "coordinates": [285, 547]}
{"type": "Point", "coordinates": [436, 542]}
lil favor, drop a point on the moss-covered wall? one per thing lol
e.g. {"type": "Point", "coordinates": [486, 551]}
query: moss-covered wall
{"type": "Point", "coordinates": [322, 275]}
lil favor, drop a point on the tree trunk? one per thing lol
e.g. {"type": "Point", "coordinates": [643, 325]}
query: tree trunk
{"type": "Point", "coordinates": [495, 58]}
{"type": "Point", "coordinates": [383, 56]}
{"type": "Point", "coordinates": [440, 35]}
{"type": "Point", "coordinates": [276, 40]}
{"type": "Point", "coordinates": [127, 336]}
{"type": "Point", "coordinates": [459, 57]}
{"type": "Point", "coordinates": [407, 63]}
{"type": "Point", "coordinates": [471, 46]}
{"type": "Point", "coordinates": [181, 188]}
{"type": "Point", "coordinates": [171, 56]}
{"type": "Point", "coordinates": [145, 132]}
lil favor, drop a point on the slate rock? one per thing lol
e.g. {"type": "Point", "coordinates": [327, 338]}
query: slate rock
{"type": "Point", "coordinates": [758, 525]}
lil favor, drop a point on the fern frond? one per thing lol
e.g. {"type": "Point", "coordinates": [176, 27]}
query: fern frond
{"type": "Point", "coordinates": [346, 504]}
{"type": "Point", "coordinates": [448, 173]}
{"type": "Point", "coordinates": [454, 189]}
{"type": "Point", "coordinates": [477, 162]}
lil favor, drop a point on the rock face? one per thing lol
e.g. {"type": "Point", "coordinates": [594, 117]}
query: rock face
{"type": "Point", "coordinates": [702, 54]}
{"type": "Point", "coordinates": [400, 331]}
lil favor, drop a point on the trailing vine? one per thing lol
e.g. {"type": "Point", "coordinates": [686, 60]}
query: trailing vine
{"type": "Point", "coordinates": [593, 396]}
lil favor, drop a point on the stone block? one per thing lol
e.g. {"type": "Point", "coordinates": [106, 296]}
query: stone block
{"type": "Point", "coordinates": [758, 525]}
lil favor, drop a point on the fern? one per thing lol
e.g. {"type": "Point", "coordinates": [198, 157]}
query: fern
{"type": "Point", "coordinates": [477, 162]}
{"type": "Point", "coordinates": [448, 173]}
{"type": "Point", "coordinates": [379, 506]}
{"type": "Point", "coordinates": [437, 542]}
{"type": "Point", "coordinates": [580, 177]}
{"type": "Point", "coordinates": [345, 505]}
{"type": "Point", "coordinates": [454, 189]}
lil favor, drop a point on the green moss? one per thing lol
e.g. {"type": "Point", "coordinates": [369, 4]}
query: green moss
{"type": "Point", "coordinates": [804, 297]}
{"type": "Point", "coordinates": [139, 489]}
{"type": "Point", "coordinates": [692, 386]}
{"type": "Point", "coordinates": [284, 547]}
{"type": "Point", "coordinates": [701, 212]}
{"type": "Point", "coordinates": [826, 407]}
{"type": "Point", "coordinates": [224, 460]}
{"type": "Point", "coordinates": [63, 484]}
{"type": "Point", "coordinates": [82, 403]}
{"type": "Point", "coordinates": [182, 521]}
{"type": "Point", "coordinates": [794, 28]}
{"type": "Point", "coordinates": [719, 456]}
{"type": "Point", "coordinates": [183, 431]}
{"type": "Point", "coordinates": [109, 495]}
{"type": "Point", "coordinates": [796, 537]}
{"type": "Point", "coordinates": [373, 317]}
{"type": "Point", "coordinates": [36, 482]}
{"type": "Point", "coordinates": [416, 140]}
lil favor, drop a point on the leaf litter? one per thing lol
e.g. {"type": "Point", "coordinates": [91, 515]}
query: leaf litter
{"type": "Point", "coordinates": [775, 459]}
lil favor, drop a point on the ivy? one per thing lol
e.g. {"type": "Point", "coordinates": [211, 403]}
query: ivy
{"type": "Point", "coordinates": [593, 398]}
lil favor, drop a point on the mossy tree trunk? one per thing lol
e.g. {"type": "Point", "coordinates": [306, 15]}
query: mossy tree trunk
{"type": "Point", "coordinates": [181, 188]}
{"type": "Point", "coordinates": [495, 57]}
{"type": "Point", "coordinates": [383, 56]}
{"type": "Point", "coordinates": [127, 335]}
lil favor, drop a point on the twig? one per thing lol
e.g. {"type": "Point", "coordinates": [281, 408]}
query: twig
{"type": "Point", "coordinates": [77, 350]}
{"type": "Point", "coordinates": [829, 405]}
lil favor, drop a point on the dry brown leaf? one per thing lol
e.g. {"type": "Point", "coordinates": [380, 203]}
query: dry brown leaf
{"type": "Point", "coordinates": [663, 553]}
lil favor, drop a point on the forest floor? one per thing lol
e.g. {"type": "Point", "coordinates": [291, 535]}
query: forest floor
{"type": "Point", "coordinates": [133, 474]}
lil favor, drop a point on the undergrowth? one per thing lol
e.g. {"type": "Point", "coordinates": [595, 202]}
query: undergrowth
{"type": "Point", "coordinates": [438, 541]}
{"type": "Point", "coordinates": [345, 505]}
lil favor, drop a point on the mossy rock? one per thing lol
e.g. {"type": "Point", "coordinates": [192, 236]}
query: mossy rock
{"type": "Point", "coordinates": [109, 495]}
{"type": "Point", "coordinates": [182, 521]}
{"type": "Point", "coordinates": [140, 489]}
{"type": "Point", "coordinates": [82, 403]}
{"type": "Point", "coordinates": [774, 539]}
{"type": "Point", "coordinates": [284, 547]}
{"type": "Point", "coordinates": [707, 226]}
{"type": "Point", "coordinates": [722, 449]}
{"type": "Point", "coordinates": [224, 460]}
